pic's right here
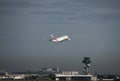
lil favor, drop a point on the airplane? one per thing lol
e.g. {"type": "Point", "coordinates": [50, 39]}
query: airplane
{"type": "Point", "coordinates": [59, 39]}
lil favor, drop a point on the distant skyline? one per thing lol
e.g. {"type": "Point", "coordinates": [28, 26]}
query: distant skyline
{"type": "Point", "coordinates": [93, 27]}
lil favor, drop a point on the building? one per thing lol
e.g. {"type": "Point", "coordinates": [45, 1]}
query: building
{"type": "Point", "coordinates": [13, 76]}
{"type": "Point", "coordinates": [73, 76]}
{"type": "Point", "coordinates": [50, 70]}
{"type": "Point", "coordinates": [70, 72]}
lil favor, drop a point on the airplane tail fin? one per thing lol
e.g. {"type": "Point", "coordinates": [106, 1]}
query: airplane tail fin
{"type": "Point", "coordinates": [52, 36]}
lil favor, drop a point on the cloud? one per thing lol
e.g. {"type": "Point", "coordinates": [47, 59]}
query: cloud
{"type": "Point", "coordinates": [13, 7]}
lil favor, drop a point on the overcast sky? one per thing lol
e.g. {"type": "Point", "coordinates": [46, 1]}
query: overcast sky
{"type": "Point", "coordinates": [93, 27]}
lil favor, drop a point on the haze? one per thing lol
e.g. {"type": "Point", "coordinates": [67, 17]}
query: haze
{"type": "Point", "coordinates": [92, 25]}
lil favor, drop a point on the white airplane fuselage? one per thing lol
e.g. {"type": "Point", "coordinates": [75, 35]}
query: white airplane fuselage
{"type": "Point", "coordinates": [60, 39]}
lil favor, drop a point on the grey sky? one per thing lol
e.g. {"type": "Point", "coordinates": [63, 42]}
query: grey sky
{"type": "Point", "coordinates": [93, 26]}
